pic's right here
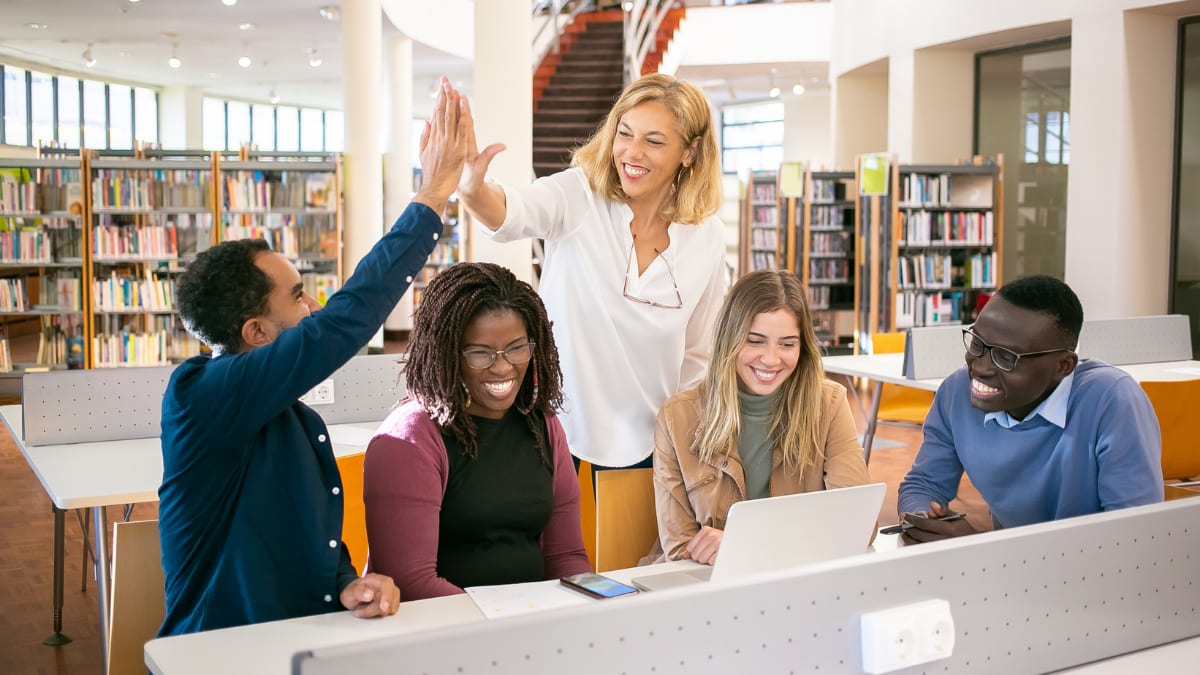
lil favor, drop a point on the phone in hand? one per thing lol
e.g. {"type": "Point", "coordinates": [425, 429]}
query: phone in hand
{"type": "Point", "coordinates": [597, 586]}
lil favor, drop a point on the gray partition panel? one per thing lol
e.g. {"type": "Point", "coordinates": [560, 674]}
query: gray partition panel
{"type": "Point", "coordinates": [933, 351]}
{"type": "Point", "coordinates": [79, 406]}
{"type": "Point", "coordinates": [1024, 600]}
{"type": "Point", "coordinates": [1138, 339]}
{"type": "Point", "coordinates": [365, 390]}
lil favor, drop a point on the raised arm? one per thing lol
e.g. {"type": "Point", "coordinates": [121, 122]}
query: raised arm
{"type": "Point", "coordinates": [485, 201]}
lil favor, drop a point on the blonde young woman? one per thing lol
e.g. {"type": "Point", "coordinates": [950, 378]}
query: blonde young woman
{"type": "Point", "coordinates": [635, 261]}
{"type": "Point", "coordinates": [764, 422]}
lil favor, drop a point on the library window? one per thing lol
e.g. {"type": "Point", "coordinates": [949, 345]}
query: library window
{"type": "Point", "coordinates": [228, 125]}
{"type": "Point", "coordinates": [1023, 98]}
{"type": "Point", "coordinates": [312, 130]}
{"type": "Point", "coordinates": [263, 133]}
{"type": "Point", "coordinates": [751, 137]}
{"type": "Point", "coordinates": [212, 123]}
{"type": "Point", "coordinates": [237, 124]}
{"type": "Point", "coordinates": [335, 131]}
{"type": "Point", "coordinates": [41, 109]}
{"type": "Point", "coordinates": [16, 131]}
{"type": "Point", "coordinates": [287, 128]}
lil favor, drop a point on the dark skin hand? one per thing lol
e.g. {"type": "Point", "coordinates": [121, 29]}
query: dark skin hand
{"type": "Point", "coordinates": [926, 527]}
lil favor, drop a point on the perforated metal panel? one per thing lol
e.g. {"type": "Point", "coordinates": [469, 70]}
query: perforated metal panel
{"type": "Point", "coordinates": [933, 351]}
{"type": "Point", "coordinates": [1024, 600]}
{"type": "Point", "coordinates": [1139, 339]}
{"type": "Point", "coordinates": [78, 406]}
{"type": "Point", "coordinates": [365, 390]}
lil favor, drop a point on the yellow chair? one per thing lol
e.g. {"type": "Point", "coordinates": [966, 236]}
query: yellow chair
{"type": "Point", "coordinates": [138, 601]}
{"type": "Point", "coordinates": [354, 513]}
{"type": "Point", "coordinates": [626, 524]}
{"type": "Point", "coordinates": [1175, 405]}
{"type": "Point", "coordinates": [587, 511]}
{"type": "Point", "coordinates": [897, 403]}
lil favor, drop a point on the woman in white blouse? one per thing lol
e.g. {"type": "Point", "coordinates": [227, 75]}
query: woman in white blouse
{"type": "Point", "coordinates": [634, 271]}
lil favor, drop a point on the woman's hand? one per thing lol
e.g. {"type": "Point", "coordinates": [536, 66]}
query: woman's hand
{"type": "Point", "coordinates": [476, 166]}
{"type": "Point", "coordinates": [703, 547]}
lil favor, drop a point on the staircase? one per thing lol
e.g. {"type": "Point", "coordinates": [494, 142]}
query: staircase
{"type": "Point", "coordinates": [574, 89]}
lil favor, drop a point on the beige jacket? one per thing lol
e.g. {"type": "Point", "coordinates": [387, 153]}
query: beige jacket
{"type": "Point", "coordinates": [690, 493]}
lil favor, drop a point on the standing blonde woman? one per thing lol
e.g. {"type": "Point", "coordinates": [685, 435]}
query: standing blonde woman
{"type": "Point", "coordinates": [635, 261]}
{"type": "Point", "coordinates": [764, 422]}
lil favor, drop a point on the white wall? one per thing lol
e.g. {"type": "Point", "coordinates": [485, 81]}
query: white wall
{"type": "Point", "coordinates": [860, 108]}
{"type": "Point", "coordinates": [179, 125]}
{"type": "Point", "coordinates": [770, 33]}
{"type": "Point", "coordinates": [807, 131]}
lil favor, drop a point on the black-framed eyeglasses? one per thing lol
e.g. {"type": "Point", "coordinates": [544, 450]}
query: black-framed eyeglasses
{"type": "Point", "coordinates": [634, 298]}
{"type": "Point", "coordinates": [481, 359]}
{"type": "Point", "coordinates": [1004, 358]}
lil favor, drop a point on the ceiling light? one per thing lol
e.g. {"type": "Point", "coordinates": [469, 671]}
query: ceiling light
{"type": "Point", "coordinates": [245, 26]}
{"type": "Point", "coordinates": [774, 93]}
{"type": "Point", "coordinates": [174, 61]}
{"type": "Point", "coordinates": [229, 3]}
{"type": "Point", "coordinates": [798, 89]}
{"type": "Point", "coordinates": [37, 26]}
{"type": "Point", "coordinates": [273, 97]}
{"type": "Point", "coordinates": [314, 59]}
{"type": "Point", "coordinates": [331, 12]}
{"type": "Point", "coordinates": [134, 0]}
{"type": "Point", "coordinates": [244, 61]}
{"type": "Point", "coordinates": [89, 59]}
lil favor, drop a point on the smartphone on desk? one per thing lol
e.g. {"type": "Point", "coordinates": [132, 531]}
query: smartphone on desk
{"type": "Point", "coordinates": [597, 586]}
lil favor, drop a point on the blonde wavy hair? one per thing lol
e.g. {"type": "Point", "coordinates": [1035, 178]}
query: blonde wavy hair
{"type": "Point", "coordinates": [796, 417]}
{"type": "Point", "coordinates": [697, 193]}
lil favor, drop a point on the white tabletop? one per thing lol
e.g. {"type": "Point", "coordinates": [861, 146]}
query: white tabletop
{"type": "Point", "coordinates": [890, 368]}
{"type": "Point", "coordinates": [85, 475]}
{"type": "Point", "coordinates": [267, 648]}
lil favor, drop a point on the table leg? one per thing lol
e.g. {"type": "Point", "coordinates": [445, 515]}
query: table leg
{"type": "Point", "coordinates": [869, 436]}
{"type": "Point", "coordinates": [58, 639]}
{"type": "Point", "coordinates": [100, 526]}
{"type": "Point", "coordinates": [86, 554]}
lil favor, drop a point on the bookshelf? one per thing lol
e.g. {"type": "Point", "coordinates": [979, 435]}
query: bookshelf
{"type": "Point", "coordinates": [821, 223]}
{"type": "Point", "coordinates": [759, 241]}
{"type": "Point", "coordinates": [948, 234]}
{"type": "Point", "coordinates": [42, 294]}
{"type": "Point", "coordinates": [450, 249]}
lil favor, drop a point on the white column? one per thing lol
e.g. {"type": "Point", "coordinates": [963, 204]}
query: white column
{"type": "Point", "coordinates": [900, 105]}
{"type": "Point", "coordinates": [398, 163]}
{"type": "Point", "coordinates": [943, 102]}
{"type": "Point", "coordinates": [179, 123]}
{"type": "Point", "coordinates": [806, 129]}
{"type": "Point", "coordinates": [503, 107]}
{"type": "Point", "coordinates": [362, 30]}
{"type": "Point", "coordinates": [1119, 186]}
{"type": "Point", "coordinates": [860, 122]}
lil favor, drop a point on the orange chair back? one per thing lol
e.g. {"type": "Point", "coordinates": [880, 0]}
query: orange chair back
{"type": "Point", "coordinates": [1175, 404]}
{"type": "Point", "coordinates": [899, 403]}
{"type": "Point", "coordinates": [587, 511]}
{"type": "Point", "coordinates": [626, 524]}
{"type": "Point", "coordinates": [354, 513]}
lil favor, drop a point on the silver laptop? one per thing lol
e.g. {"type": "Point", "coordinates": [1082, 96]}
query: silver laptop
{"type": "Point", "coordinates": [780, 532]}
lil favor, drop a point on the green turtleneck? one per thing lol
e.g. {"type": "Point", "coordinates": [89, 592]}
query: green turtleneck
{"type": "Point", "coordinates": [753, 445]}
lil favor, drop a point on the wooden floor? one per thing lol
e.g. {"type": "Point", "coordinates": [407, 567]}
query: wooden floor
{"type": "Point", "coordinates": [26, 557]}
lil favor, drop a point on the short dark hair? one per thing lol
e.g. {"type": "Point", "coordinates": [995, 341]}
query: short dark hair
{"type": "Point", "coordinates": [1048, 295]}
{"type": "Point", "coordinates": [433, 371]}
{"type": "Point", "coordinates": [220, 290]}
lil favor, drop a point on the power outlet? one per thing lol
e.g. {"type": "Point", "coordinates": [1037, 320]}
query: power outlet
{"type": "Point", "coordinates": [322, 394]}
{"type": "Point", "coordinates": [906, 636]}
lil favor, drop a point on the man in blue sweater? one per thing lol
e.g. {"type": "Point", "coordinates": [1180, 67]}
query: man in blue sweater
{"type": "Point", "coordinates": [1041, 434]}
{"type": "Point", "coordinates": [250, 513]}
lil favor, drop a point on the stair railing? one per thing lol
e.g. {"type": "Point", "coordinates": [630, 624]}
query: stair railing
{"type": "Point", "coordinates": [642, 20]}
{"type": "Point", "coordinates": [549, 20]}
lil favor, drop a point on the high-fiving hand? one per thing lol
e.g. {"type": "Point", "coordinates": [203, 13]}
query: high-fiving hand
{"type": "Point", "coordinates": [444, 144]}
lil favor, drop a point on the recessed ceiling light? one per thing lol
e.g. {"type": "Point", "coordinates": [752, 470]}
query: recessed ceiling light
{"type": "Point", "coordinates": [244, 61]}
{"type": "Point", "coordinates": [37, 26]}
{"type": "Point", "coordinates": [229, 3]}
{"type": "Point", "coordinates": [798, 89]}
{"type": "Point", "coordinates": [89, 59]}
{"type": "Point", "coordinates": [245, 26]}
{"type": "Point", "coordinates": [330, 12]}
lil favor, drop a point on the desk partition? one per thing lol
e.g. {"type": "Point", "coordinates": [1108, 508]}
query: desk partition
{"type": "Point", "coordinates": [1139, 339]}
{"type": "Point", "coordinates": [1023, 600]}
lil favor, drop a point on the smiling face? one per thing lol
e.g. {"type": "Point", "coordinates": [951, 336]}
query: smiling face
{"type": "Point", "coordinates": [648, 152]}
{"type": "Point", "coordinates": [494, 389]}
{"type": "Point", "coordinates": [1021, 330]}
{"type": "Point", "coordinates": [287, 303]}
{"type": "Point", "coordinates": [770, 353]}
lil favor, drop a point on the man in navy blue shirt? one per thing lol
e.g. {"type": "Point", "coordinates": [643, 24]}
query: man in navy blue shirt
{"type": "Point", "coordinates": [250, 514]}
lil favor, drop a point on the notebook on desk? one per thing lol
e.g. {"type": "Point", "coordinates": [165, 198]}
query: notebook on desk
{"type": "Point", "coordinates": [780, 532]}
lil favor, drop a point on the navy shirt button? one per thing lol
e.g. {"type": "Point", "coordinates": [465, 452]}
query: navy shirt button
{"type": "Point", "coordinates": [328, 598]}
{"type": "Point", "coordinates": [435, 236]}
{"type": "Point", "coordinates": [408, 279]}
{"type": "Point", "coordinates": [321, 438]}
{"type": "Point", "coordinates": [333, 543]}
{"type": "Point", "coordinates": [337, 491]}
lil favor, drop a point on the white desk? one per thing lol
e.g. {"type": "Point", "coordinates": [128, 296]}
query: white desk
{"type": "Point", "coordinates": [97, 475]}
{"type": "Point", "coordinates": [267, 648]}
{"type": "Point", "coordinates": [889, 369]}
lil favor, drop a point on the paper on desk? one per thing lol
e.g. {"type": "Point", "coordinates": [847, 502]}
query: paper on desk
{"type": "Point", "coordinates": [515, 599]}
{"type": "Point", "coordinates": [350, 435]}
{"type": "Point", "coordinates": [1184, 371]}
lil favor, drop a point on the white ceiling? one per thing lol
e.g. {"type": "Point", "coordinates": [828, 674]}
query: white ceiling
{"type": "Point", "coordinates": [131, 41]}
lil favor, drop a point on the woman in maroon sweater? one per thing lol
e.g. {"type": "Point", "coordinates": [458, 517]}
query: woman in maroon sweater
{"type": "Point", "coordinates": [469, 481]}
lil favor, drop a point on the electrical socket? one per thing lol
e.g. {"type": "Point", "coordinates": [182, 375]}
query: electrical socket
{"type": "Point", "coordinates": [906, 636]}
{"type": "Point", "coordinates": [322, 394]}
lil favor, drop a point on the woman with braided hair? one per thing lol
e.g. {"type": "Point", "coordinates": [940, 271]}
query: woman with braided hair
{"type": "Point", "coordinates": [469, 481]}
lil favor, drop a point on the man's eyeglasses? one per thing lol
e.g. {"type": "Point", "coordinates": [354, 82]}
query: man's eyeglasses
{"type": "Point", "coordinates": [481, 359]}
{"type": "Point", "coordinates": [625, 289]}
{"type": "Point", "coordinates": [1004, 358]}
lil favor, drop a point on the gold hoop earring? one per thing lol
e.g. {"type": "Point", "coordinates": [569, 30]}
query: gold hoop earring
{"type": "Point", "coordinates": [468, 393]}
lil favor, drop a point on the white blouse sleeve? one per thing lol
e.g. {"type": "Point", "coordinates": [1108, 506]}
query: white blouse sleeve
{"type": "Point", "coordinates": [699, 335]}
{"type": "Point", "coordinates": [543, 208]}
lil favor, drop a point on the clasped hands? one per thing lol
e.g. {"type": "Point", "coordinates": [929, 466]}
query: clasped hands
{"type": "Point", "coordinates": [935, 524]}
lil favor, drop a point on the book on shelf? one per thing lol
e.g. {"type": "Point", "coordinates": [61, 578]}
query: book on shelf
{"type": "Point", "coordinates": [319, 191]}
